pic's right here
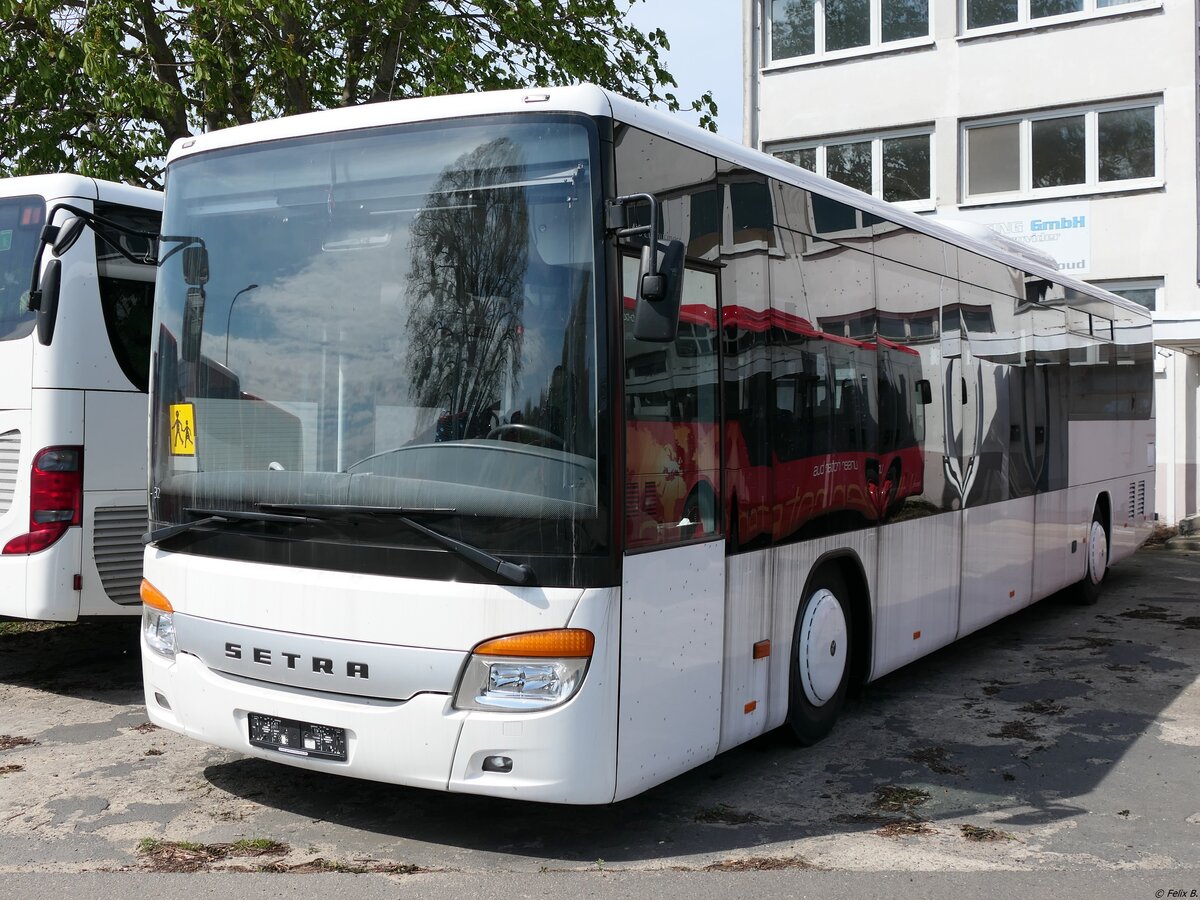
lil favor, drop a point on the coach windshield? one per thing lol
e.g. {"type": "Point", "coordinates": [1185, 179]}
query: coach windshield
{"type": "Point", "coordinates": [21, 220]}
{"type": "Point", "coordinates": [392, 322]}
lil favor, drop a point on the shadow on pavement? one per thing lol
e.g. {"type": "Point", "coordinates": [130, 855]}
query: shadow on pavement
{"type": "Point", "coordinates": [1022, 720]}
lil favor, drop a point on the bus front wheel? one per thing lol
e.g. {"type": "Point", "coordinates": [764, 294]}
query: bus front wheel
{"type": "Point", "coordinates": [820, 668]}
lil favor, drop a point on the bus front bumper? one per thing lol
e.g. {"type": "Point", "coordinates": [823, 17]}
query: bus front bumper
{"type": "Point", "coordinates": [562, 755]}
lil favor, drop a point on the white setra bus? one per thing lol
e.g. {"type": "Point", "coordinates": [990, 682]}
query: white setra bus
{"type": "Point", "coordinates": [76, 299]}
{"type": "Point", "coordinates": [454, 484]}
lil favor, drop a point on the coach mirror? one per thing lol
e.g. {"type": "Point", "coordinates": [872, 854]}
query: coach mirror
{"type": "Point", "coordinates": [195, 265]}
{"type": "Point", "coordinates": [660, 275]}
{"type": "Point", "coordinates": [656, 319]}
{"type": "Point", "coordinates": [47, 302]}
{"type": "Point", "coordinates": [43, 295]}
{"type": "Point", "coordinates": [68, 234]}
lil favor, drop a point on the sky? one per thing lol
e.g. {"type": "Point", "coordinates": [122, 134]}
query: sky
{"type": "Point", "coordinates": [705, 55]}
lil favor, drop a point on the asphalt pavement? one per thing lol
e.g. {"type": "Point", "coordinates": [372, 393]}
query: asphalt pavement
{"type": "Point", "coordinates": [1051, 754]}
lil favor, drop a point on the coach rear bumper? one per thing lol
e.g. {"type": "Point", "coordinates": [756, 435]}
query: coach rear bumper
{"type": "Point", "coordinates": [42, 585]}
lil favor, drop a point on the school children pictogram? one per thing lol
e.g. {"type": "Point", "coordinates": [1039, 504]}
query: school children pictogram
{"type": "Point", "coordinates": [183, 429]}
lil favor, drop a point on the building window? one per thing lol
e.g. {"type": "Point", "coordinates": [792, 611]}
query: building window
{"type": "Point", "coordinates": [818, 27]}
{"type": "Point", "coordinates": [978, 14]}
{"type": "Point", "coordinates": [804, 157]}
{"type": "Point", "coordinates": [896, 167]}
{"type": "Point", "coordinates": [1064, 152]}
{"type": "Point", "coordinates": [1145, 292]}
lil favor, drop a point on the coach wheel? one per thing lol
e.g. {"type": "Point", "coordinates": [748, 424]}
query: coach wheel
{"type": "Point", "coordinates": [1088, 590]}
{"type": "Point", "coordinates": [820, 670]}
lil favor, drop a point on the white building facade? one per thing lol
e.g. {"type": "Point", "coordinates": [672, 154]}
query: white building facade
{"type": "Point", "coordinates": [1071, 125]}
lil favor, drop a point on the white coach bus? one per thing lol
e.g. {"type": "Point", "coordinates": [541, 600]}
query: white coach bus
{"type": "Point", "coordinates": [454, 484]}
{"type": "Point", "coordinates": [75, 310]}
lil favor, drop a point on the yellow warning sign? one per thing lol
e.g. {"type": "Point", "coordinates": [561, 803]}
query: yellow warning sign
{"type": "Point", "coordinates": [183, 429]}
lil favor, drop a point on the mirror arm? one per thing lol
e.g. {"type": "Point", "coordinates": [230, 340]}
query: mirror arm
{"type": "Point", "coordinates": [94, 220]}
{"type": "Point", "coordinates": [617, 220]}
{"type": "Point", "coordinates": [50, 234]}
{"type": "Point", "coordinates": [35, 292]}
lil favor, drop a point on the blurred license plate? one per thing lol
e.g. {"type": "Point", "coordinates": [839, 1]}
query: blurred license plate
{"type": "Point", "coordinates": [297, 738]}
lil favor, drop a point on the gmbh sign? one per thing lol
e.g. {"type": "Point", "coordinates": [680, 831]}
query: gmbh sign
{"type": "Point", "coordinates": [1062, 229]}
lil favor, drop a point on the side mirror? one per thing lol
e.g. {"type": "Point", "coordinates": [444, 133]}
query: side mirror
{"type": "Point", "coordinates": [660, 288]}
{"type": "Point", "coordinates": [47, 307]}
{"type": "Point", "coordinates": [195, 265]}
{"type": "Point", "coordinates": [193, 324]}
{"type": "Point", "coordinates": [43, 292]}
{"type": "Point", "coordinates": [924, 392]}
{"type": "Point", "coordinates": [659, 281]}
{"type": "Point", "coordinates": [68, 234]}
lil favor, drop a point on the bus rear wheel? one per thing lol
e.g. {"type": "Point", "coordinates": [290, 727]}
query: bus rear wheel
{"type": "Point", "coordinates": [1087, 592]}
{"type": "Point", "coordinates": [820, 668]}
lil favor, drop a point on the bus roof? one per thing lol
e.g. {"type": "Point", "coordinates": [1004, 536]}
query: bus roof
{"type": "Point", "coordinates": [595, 101]}
{"type": "Point", "coordinates": [64, 186]}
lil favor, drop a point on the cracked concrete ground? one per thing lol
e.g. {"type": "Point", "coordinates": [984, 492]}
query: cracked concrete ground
{"type": "Point", "coordinates": [1063, 738]}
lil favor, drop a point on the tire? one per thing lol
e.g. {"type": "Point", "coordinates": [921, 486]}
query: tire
{"type": "Point", "coordinates": [1087, 591]}
{"type": "Point", "coordinates": [820, 665]}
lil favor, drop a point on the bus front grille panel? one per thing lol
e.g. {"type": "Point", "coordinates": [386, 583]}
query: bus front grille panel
{"type": "Point", "coordinates": [117, 545]}
{"type": "Point", "coordinates": [10, 456]}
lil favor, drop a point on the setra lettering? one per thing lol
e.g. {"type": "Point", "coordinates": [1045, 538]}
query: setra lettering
{"type": "Point", "coordinates": [321, 665]}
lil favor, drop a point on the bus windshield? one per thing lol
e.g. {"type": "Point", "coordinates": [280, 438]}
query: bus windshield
{"type": "Point", "coordinates": [20, 226]}
{"type": "Point", "coordinates": [400, 318]}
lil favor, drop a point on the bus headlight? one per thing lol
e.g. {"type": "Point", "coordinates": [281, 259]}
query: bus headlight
{"type": "Point", "coordinates": [158, 620]}
{"type": "Point", "coordinates": [158, 628]}
{"type": "Point", "coordinates": [524, 672]}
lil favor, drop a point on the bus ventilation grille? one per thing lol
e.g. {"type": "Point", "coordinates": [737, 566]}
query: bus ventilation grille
{"type": "Point", "coordinates": [10, 456]}
{"type": "Point", "coordinates": [1137, 499]}
{"type": "Point", "coordinates": [117, 544]}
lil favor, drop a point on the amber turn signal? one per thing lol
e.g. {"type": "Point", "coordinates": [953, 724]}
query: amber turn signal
{"type": "Point", "coordinates": [557, 643]}
{"type": "Point", "coordinates": [155, 598]}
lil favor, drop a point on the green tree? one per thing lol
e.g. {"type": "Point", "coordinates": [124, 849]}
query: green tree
{"type": "Point", "coordinates": [103, 87]}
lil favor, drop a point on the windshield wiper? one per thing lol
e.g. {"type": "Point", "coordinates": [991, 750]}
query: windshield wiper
{"type": "Point", "coordinates": [514, 572]}
{"type": "Point", "coordinates": [219, 517]}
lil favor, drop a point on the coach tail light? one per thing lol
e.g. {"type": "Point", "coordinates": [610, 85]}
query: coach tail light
{"type": "Point", "coordinates": [158, 620]}
{"type": "Point", "coordinates": [55, 498]}
{"type": "Point", "coordinates": [524, 672]}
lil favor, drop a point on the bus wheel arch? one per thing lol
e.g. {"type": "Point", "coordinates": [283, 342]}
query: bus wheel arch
{"type": "Point", "coordinates": [830, 648]}
{"type": "Point", "coordinates": [1097, 552]}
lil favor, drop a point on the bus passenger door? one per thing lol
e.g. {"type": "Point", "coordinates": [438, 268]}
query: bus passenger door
{"type": "Point", "coordinates": [673, 588]}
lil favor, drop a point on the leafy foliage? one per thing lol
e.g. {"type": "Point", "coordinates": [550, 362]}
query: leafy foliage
{"type": "Point", "coordinates": [465, 283]}
{"type": "Point", "coordinates": [103, 87]}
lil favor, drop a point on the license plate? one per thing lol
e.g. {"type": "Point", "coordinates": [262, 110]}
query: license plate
{"type": "Point", "coordinates": [297, 738]}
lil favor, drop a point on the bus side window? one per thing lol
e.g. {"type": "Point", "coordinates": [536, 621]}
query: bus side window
{"type": "Point", "coordinates": [672, 432]}
{"type": "Point", "coordinates": [127, 289]}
